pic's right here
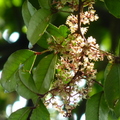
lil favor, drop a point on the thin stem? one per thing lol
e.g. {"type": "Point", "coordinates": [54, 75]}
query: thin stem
{"type": "Point", "coordinates": [80, 10]}
{"type": "Point", "coordinates": [39, 53]}
{"type": "Point", "coordinates": [98, 83]}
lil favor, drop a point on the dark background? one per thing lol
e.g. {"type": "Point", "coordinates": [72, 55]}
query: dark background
{"type": "Point", "coordinates": [106, 31]}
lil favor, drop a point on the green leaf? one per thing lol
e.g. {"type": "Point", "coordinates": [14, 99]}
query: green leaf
{"type": "Point", "coordinates": [25, 74]}
{"type": "Point", "coordinates": [45, 4]}
{"type": "Point", "coordinates": [64, 30]}
{"type": "Point", "coordinates": [59, 34]}
{"type": "Point", "coordinates": [112, 88]}
{"type": "Point", "coordinates": [12, 65]}
{"type": "Point", "coordinates": [21, 114]}
{"type": "Point", "coordinates": [43, 40]}
{"type": "Point", "coordinates": [112, 116]}
{"type": "Point", "coordinates": [44, 73]}
{"type": "Point", "coordinates": [27, 11]}
{"type": "Point", "coordinates": [113, 7]}
{"type": "Point", "coordinates": [23, 90]}
{"type": "Point", "coordinates": [107, 70]}
{"type": "Point", "coordinates": [96, 108]}
{"type": "Point", "coordinates": [40, 112]}
{"type": "Point", "coordinates": [117, 108]}
{"type": "Point", "coordinates": [38, 24]}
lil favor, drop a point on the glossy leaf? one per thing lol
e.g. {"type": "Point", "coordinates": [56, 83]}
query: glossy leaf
{"type": "Point", "coordinates": [27, 80]}
{"type": "Point", "coordinates": [44, 73]}
{"type": "Point", "coordinates": [113, 7]}
{"type": "Point", "coordinates": [23, 90]}
{"type": "Point", "coordinates": [58, 34]}
{"type": "Point", "coordinates": [112, 88]}
{"type": "Point", "coordinates": [38, 24]}
{"type": "Point", "coordinates": [96, 108]}
{"type": "Point", "coordinates": [27, 11]}
{"type": "Point", "coordinates": [25, 74]}
{"type": "Point", "coordinates": [45, 4]}
{"type": "Point", "coordinates": [40, 112]}
{"type": "Point", "coordinates": [12, 65]}
{"type": "Point", "coordinates": [21, 114]}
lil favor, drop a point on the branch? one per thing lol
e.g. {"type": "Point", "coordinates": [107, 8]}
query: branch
{"type": "Point", "coordinates": [98, 83]}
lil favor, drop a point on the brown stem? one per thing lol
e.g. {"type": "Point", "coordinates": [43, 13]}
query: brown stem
{"type": "Point", "coordinates": [80, 10]}
{"type": "Point", "coordinates": [98, 83]}
{"type": "Point", "coordinates": [39, 53]}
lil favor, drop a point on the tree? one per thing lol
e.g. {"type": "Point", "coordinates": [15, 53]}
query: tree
{"type": "Point", "coordinates": [66, 57]}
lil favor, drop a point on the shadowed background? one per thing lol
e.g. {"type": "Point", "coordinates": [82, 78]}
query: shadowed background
{"type": "Point", "coordinates": [12, 37]}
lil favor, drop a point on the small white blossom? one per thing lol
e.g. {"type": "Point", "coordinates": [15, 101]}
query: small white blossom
{"type": "Point", "coordinates": [76, 62]}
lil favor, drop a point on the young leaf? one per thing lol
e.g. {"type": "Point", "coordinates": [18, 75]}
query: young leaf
{"type": "Point", "coordinates": [12, 65]}
{"type": "Point", "coordinates": [27, 11]}
{"type": "Point", "coordinates": [45, 4]}
{"type": "Point", "coordinates": [96, 108]}
{"type": "Point", "coordinates": [40, 112]}
{"type": "Point", "coordinates": [112, 88]}
{"type": "Point", "coordinates": [64, 30]}
{"type": "Point", "coordinates": [44, 73]}
{"type": "Point", "coordinates": [23, 90]}
{"type": "Point", "coordinates": [38, 24]}
{"type": "Point", "coordinates": [58, 33]}
{"type": "Point", "coordinates": [21, 114]}
{"type": "Point", "coordinates": [113, 7]}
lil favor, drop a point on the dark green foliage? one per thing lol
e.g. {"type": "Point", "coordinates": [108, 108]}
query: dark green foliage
{"type": "Point", "coordinates": [113, 7]}
{"type": "Point", "coordinates": [33, 80]}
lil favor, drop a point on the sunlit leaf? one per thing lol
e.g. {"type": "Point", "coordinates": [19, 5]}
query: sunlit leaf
{"type": "Point", "coordinates": [58, 33]}
{"type": "Point", "coordinates": [27, 11]}
{"type": "Point", "coordinates": [112, 88]}
{"type": "Point", "coordinates": [12, 65]}
{"type": "Point", "coordinates": [45, 3]}
{"type": "Point", "coordinates": [38, 24]}
{"type": "Point", "coordinates": [96, 108]}
{"type": "Point", "coordinates": [40, 112]}
{"type": "Point", "coordinates": [44, 73]}
{"type": "Point", "coordinates": [113, 7]}
{"type": "Point", "coordinates": [21, 114]}
{"type": "Point", "coordinates": [64, 30]}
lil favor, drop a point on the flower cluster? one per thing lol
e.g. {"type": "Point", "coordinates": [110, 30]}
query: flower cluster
{"type": "Point", "coordinates": [75, 65]}
{"type": "Point", "coordinates": [85, 18]}
{"type": "Point", "coordinates": [89, 16]}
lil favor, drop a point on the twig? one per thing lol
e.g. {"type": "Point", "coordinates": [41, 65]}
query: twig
{"type": "Point", "coordinates": [39, 53]}
{"type": "Point", "coordinates": [97, 82]}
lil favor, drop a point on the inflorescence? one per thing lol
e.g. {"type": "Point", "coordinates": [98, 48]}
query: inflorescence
{"type": "Point", "coordinates": [75, 64]}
